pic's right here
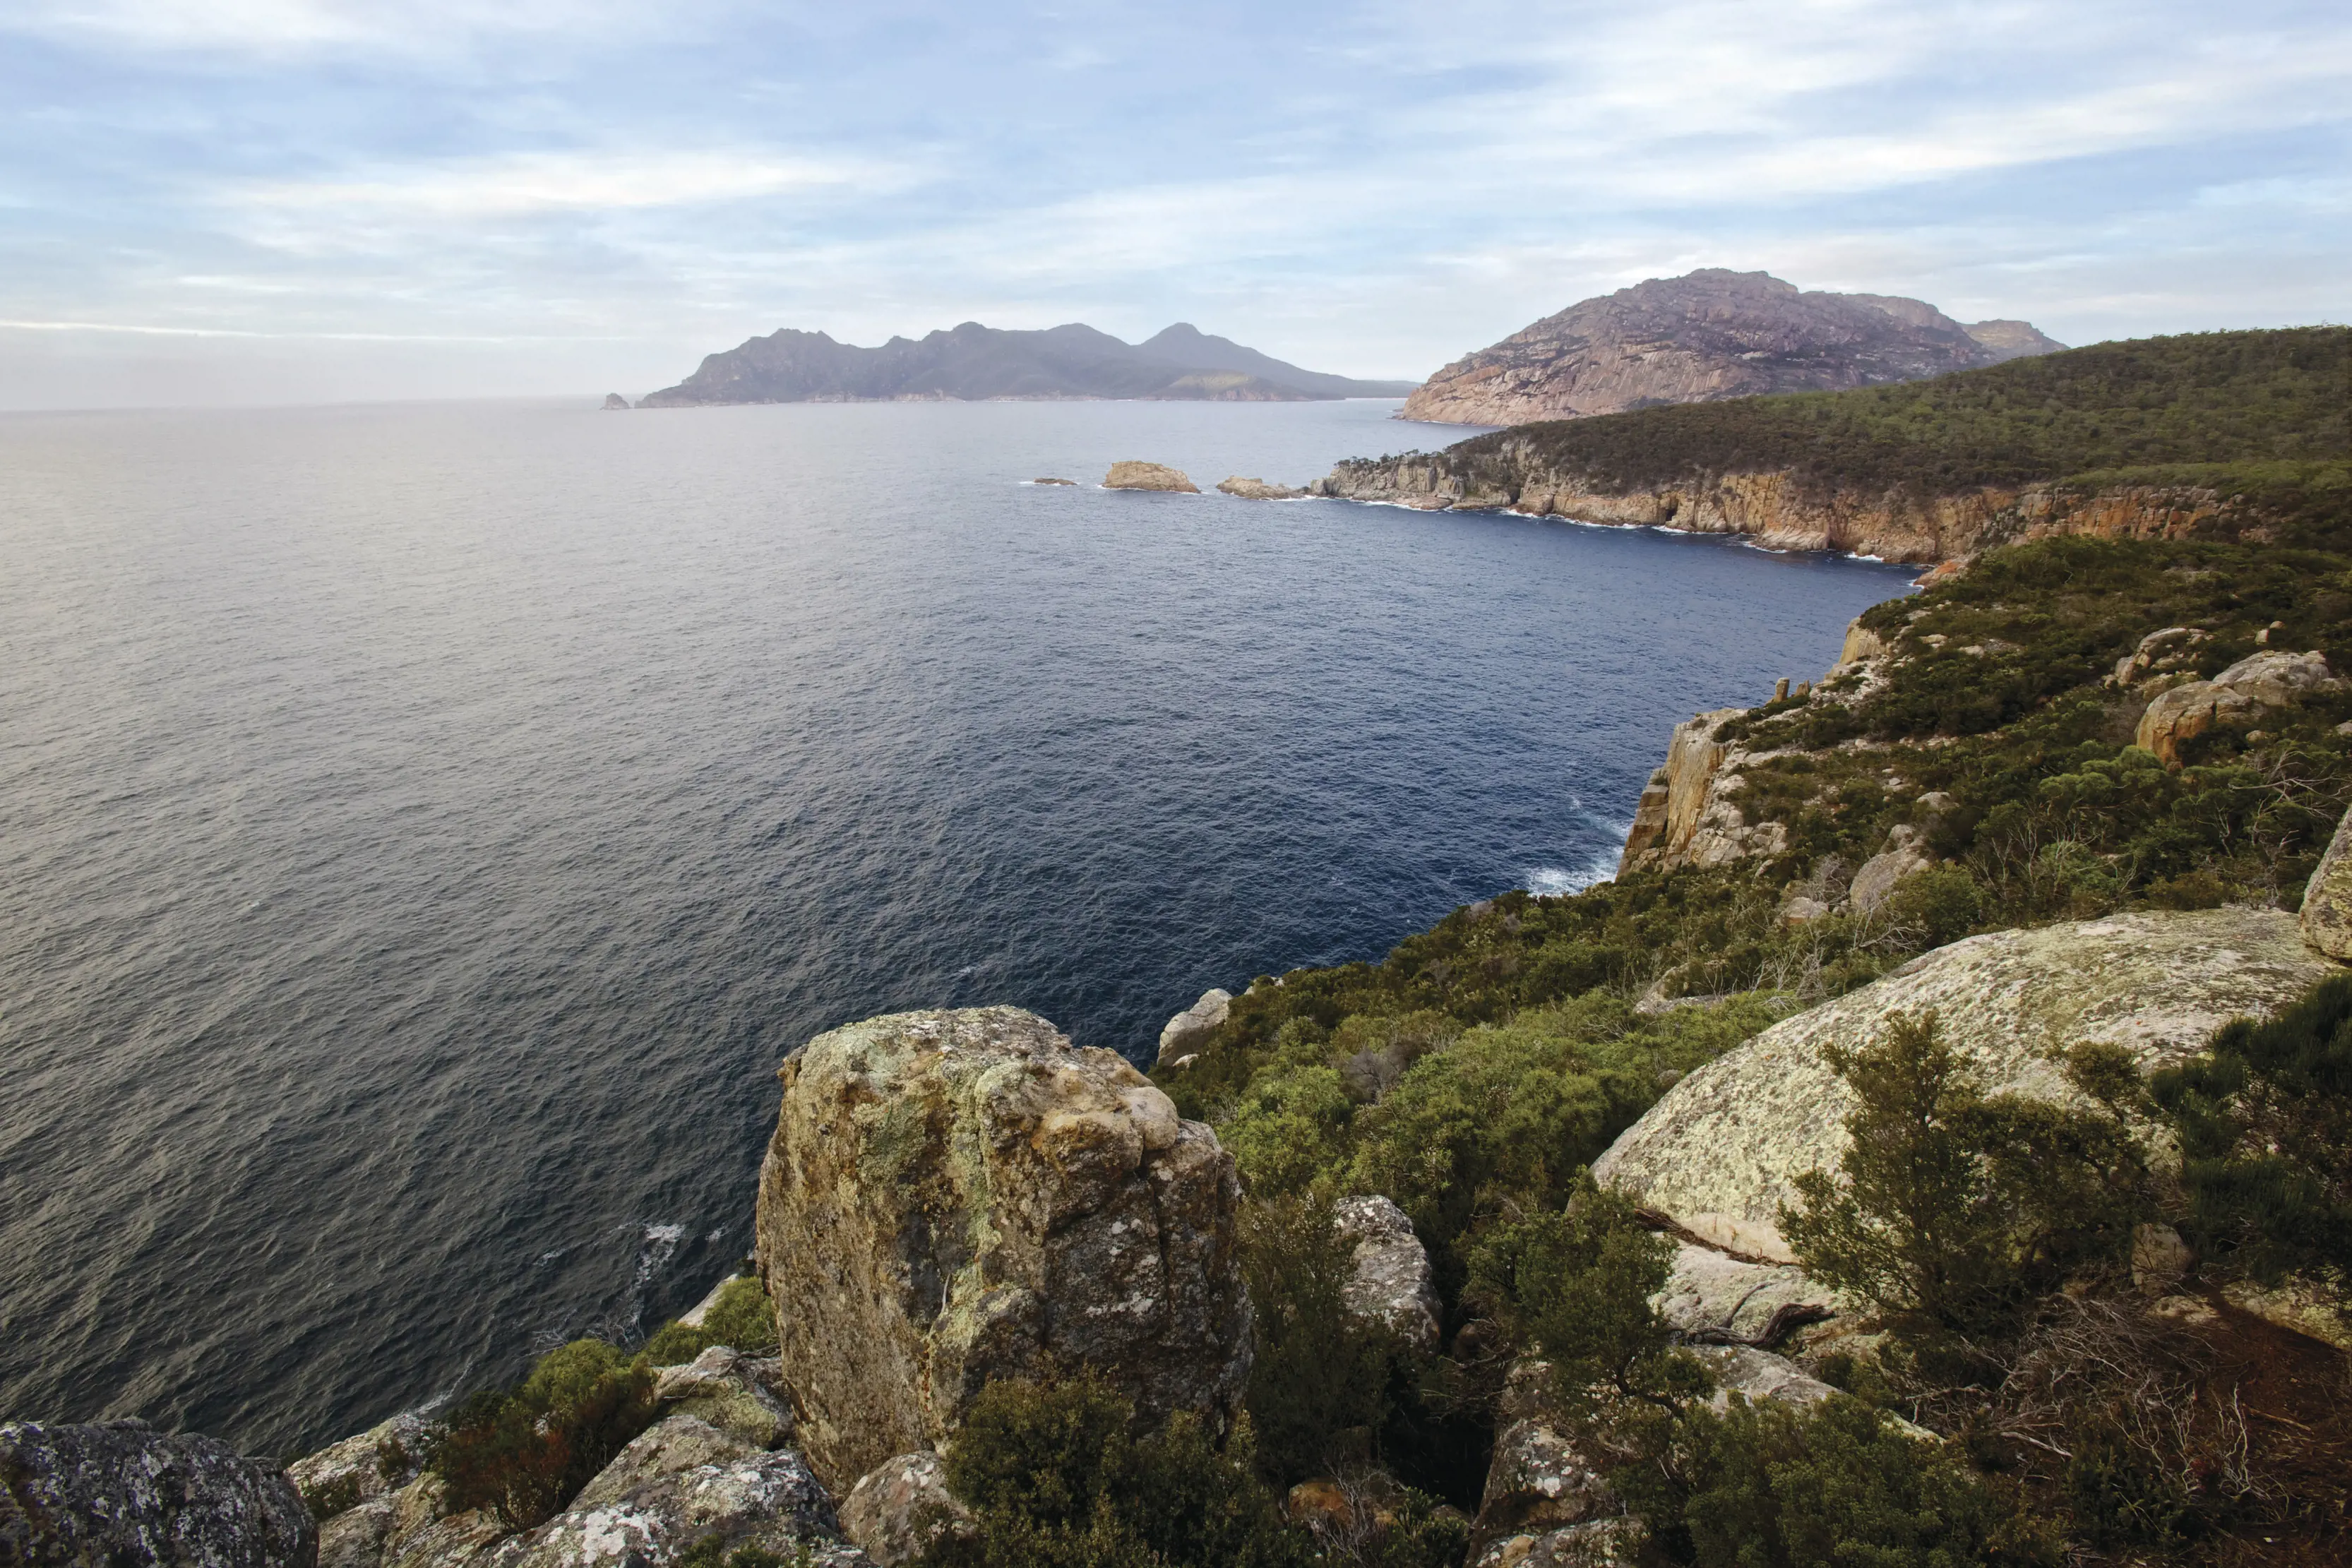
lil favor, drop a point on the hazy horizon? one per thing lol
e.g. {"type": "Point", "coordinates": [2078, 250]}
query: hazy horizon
{"type": "Point", "coordinates": [298, 201]}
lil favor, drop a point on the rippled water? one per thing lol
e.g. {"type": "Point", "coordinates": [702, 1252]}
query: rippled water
{"type": "Point", "coordinates": [422, 828]}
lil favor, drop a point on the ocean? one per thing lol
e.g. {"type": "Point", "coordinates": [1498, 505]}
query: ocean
{"type": "Point", "coordinates": [423, 828]}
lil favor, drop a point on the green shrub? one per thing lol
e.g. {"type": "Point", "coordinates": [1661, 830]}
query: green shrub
{"type": "Point", "coordinates": [1056, 1480]}
{"type": "Point", "coordinates": [1955, 1210]}
{"type": "Point", "coordinates": [1576, 1285]}
{"type": "Point", "coordinates": [2264, 1121]}
{"type": "Point", "coordinates": [1831, 1485]}
{"type": "Point", "coordinates": [525, 1452]}
{"type": "Point", "coordinates": [741, 1318]}
{"type": "Point", "coordinates": [1320, 1379]}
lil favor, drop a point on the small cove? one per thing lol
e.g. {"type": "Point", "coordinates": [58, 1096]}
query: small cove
{"type": "Point", "coordinates": [425, 827]}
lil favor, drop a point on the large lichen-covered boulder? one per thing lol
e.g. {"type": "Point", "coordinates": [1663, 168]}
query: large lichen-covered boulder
{"type": "Point", "coordinates": [766, 1501]}
{"type": "Point", "coordinates": [2327, 897]}
{"type": "Point", "coordinates": [899, 1508]}
{"type": "Point", "coordinates": [121, 1493]}
{"type": "Point", "coordinates": [1390, 1282]}
{"type": "Point", "coordinates": [959, 1196]}
{"type": "Point", "coordinates": [363, 1468]}
{"type": "Point", "coordinates": [2236, 695]}
{"type": "Point", "coordinates": [1721, 1151]}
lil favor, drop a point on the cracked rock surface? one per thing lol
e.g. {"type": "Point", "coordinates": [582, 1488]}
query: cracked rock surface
{"type": "Point", "coordinates": [958, 1197]}
{"type": "Point", "coordinates": [122, 1492]}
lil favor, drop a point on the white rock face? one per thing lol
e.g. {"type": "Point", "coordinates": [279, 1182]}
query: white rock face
{"type": "Point", "coordinates": [1391, 1284]}
{"type": "Point", "coordinates": [1190, 1030]}
{"type": "Point", "coordinates": [1728, 1141]}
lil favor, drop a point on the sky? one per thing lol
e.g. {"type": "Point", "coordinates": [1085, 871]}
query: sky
{"type": "Point", "coordinates": [288, 201]}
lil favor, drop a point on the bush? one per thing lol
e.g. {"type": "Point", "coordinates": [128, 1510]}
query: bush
{"type": "Point", "coordinates": [1829, 1486]}
{"type": "Point", "coordinates": [1320, 1378]}
{"type": "Point", "coordinates": [741, 1318]}
{"type": "Point", "coordinates": [2264, 1121]}
{"type": "Point", "coordinates": [525, 1452]}
{"type": "Point", "coordinates": [1054, 1480]}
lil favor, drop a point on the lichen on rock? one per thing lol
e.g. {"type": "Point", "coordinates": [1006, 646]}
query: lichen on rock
{"type": "Point", "coordinates": [955, 1198]}
{"type": "Point", "coordinates": [73, 1496]}
{"type": "Point", "coordinates": [1730, 1139]}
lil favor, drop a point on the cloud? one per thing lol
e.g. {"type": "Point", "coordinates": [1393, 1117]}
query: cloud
{"type": "Point", "coordinates": [520, 183]}
{"type": "Point", "coordinates": [279, 27]}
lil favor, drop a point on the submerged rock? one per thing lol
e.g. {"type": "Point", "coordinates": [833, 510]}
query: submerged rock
{"type": "Point", "coordinates": [121, 1493]}
{"type": "Point", "coordinates": [1133, 476]}
{"type": "Point", "coordinates": [1728, 1141]}
{"type": "Point", "coordinates": [956, 1198]}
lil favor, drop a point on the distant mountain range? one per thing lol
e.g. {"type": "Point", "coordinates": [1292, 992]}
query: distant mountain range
{"type": "Point", "coordinates": [1710, 334]}
{"type": "Point", "coordinates": [974, 361]}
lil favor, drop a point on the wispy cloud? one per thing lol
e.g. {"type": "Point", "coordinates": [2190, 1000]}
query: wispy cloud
{"type": "Point", "coordinates": [520, 183]}
{"type": "Point", "coordinates": [1374, 184]}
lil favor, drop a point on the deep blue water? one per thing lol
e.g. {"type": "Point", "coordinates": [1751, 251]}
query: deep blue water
{"type": "Point", "coordinates": [422, 828]}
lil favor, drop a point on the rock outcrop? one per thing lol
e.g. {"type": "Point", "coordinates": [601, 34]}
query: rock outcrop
{"type": "Point", "coordinates": [957, 1196]}
{"type": "Point", "coordinates": [1710, 334]}
{"type": "Point", "coordinates": [1686, 815]}
{"type": "Point", "coordinates": [1049, 480]}
{"type": "Point", "coordinates": [1778, 508]}
{"type": "Point", "coordinates": [900, 1507]}
{"type": "Point", "coordinates": [2327, 898]}
{"type": "Point", "coordinates": [361, 1468]}
{"type": "Point", "coordinates": [1257, 489]}
{"type": "Point", "coordinates": [1727, 1142]}
{"type": "Point", "coordinates": [2234, 696]}
{"type": "Point", "coordinates": [616, 400]}
{"type": "Point", "coordinates": [1189, 1031]}
{"type": "Point", "coordinates": [121, 1493]}
{"type": "Point", "coordinates": [768, 1501]}
{"type": "Point", "coordinates": [1133, 476]}
{"type": "Point", "coordinates": [1391, 1285]}
{"type": "Point", "coordinates": [744, 1397]}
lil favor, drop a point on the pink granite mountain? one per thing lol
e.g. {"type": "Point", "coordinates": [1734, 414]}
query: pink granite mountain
{"type": "Point", "coordinates": [1710, 334]}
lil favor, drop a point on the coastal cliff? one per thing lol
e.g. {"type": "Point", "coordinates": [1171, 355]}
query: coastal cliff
{"type": "Point", "coordinates": [1710, 334]}
{"type": "Point", "coordinates": [1783, 509]}
{"type": "Point", "coordinates": [2228, 436]}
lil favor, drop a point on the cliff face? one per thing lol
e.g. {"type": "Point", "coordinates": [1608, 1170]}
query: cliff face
{"type": "Point", "coordinates": [1711, 334]}
{"type": "Point", "coordinates": [975, 361]}
{"type": "Point", "coordinates": [1779, 509]}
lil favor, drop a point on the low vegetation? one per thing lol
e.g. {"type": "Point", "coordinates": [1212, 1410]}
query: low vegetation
{"type": "Point", "coordinates": [2260, 415]}
{"type": "Point", "coordinates": [524, 1452]}
{"type": "Point", "coordinates": [1475, 1072]}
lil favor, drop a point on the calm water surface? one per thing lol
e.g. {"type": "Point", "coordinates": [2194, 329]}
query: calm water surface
{"type": "Point", "coordinates": [422, 828]}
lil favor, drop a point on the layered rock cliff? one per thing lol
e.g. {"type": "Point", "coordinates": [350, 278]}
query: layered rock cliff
{"type": "Point", "coordinates": [1710, 334]}
{"type": "Point", "coordinates": [1779, 509]}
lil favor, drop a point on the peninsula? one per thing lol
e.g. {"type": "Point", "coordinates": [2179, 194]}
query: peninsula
{"type": "Point", "coordinates": [974, 362]}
